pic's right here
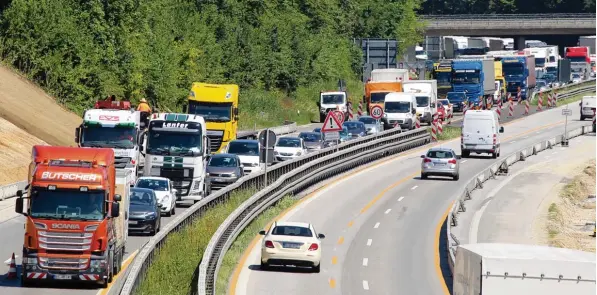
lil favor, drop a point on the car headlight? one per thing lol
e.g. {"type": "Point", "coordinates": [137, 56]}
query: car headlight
{"type": "Point", "coordinates": [276, 153]}
{"type": "Point", "coordinates": [166, 199]}
{"type": "Point", "coordinates": [298, 153]}
{"type": "Point", "coordinates": [150, 215]}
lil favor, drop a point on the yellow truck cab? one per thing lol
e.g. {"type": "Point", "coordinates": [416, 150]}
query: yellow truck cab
{"type": "Point", "coordinates": [499, 77]}
{"type": "Point", "coordinates": [218, 105]}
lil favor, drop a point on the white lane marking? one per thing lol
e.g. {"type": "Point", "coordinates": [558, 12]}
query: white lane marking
{"type": "Point", "coordinates": [369, 241]}
{"type": "Point", "coordinates": [513, 141]}
{"type": "Point", "coordinates": [400, 199]}
{"type": "Point", "coordinates": [537, 132]}
{"type": "Point", "coordinates": [365, 285]}
{"type": "Point", "coordinates": [526, 137]}
{"type": "Point", "coordinates": [376, 225]}
{"type": "Point", "coordinates": [463, 161]}
{"type": "Point", "coordinates": [388, 211]}
{"type": "Point", "coordinates": [365, 261]}
{"type": "Point", "coordinates": [554, 153]}
{"type": "Point", "coordinates": [415, 187]}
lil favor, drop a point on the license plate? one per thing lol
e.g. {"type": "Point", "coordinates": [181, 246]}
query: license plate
{"type": "Point", "coordinates": [439, 164]}
{"type": "Point", "coordinates": [291, 245]}
{"type": "Point", "coordinates": [218, 179]}
{"type": "Point", "coordinates": [63, 277]}
{"type": "Point", "coordinates": [133, 222]}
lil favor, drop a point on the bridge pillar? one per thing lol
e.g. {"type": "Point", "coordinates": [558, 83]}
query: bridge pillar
{"type": "Point", "coordinates": [519, 43]}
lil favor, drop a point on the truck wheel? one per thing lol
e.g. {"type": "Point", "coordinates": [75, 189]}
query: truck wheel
{"type": "Point", "coordinates": [466, 154]}
{"type": "Point", "coordinates": [321, 118]}
{"type": "Point", "coordinates": [582, 118]}
{"type": "Point", "coordinates": [494, 155]}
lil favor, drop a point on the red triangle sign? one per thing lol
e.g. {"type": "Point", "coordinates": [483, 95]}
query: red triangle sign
{"type": "Point", "coordinates": [331, 123]}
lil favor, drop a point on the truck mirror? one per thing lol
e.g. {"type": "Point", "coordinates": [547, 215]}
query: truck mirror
{"type": "Point", "coordinates": [77, 133]}
{"type": "Point", "coordinates": [501, 129]}
{"type": "Point", "coordinates": [236, 112]}
{"type": "Point", "coordinates": [19, 206]}
{"type": "Point", "coordinates": [184, 109]}
{"type": "Point", "coordinates": [117, 198]}
{"type": "Point", "coordinates": [20, 193]}
{"type": "Point", "coordinates": [141, 148]}
{"type": "Point", "coordinates": [235, 118]}
{"type": "Point", "coordinates": [115, 210]}
{"type": "Point", "coordinates": [318, 104]}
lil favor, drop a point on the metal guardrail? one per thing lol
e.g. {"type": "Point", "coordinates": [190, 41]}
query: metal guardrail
{"type": "Point", "coordinates": [512, 16]}
{"type": "Point", "coordinates": [305, 166]}
{"type": "Point", "coordinates": [499, 168]}
{"type": "Point", "coordinates": [10, 190]}
{"type": "Point", "coordinates": [564, 92]}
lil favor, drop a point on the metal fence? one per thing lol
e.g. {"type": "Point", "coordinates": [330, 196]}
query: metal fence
{"type": "Point", "coordinates": [566, 91]}
{"type": "Point", "coordinates": [508, 16]}
{"type": "Point", "coordinates": [499, 168]}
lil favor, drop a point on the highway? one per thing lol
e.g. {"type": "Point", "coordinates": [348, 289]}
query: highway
{"type": "Point", "coordinates": [12, 226]}
{"type": "Point", "coordinates": [382, 223]}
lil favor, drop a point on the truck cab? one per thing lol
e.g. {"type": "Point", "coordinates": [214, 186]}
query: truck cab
{"type": "Point", "coordinates": [400, 109]}
{"type": "Point", "coordinates": [425, 92]}
{"type": "Point", "coordinates": [115, 125]}
{"type": "Point", "coordinates": [468, 77]}
{"type": "Point", "coordinates": [178, 149]}
{"type": "Point", "coordinates": [218, 105]}
{"type": "Point", "coordinates": [75, 221]}
{"type": "Point", "coordinates": [331, 101]}
{"type": "Point", "coordinates": [519, 72]}
{"type": "Point", "coordinates": [443, 74]}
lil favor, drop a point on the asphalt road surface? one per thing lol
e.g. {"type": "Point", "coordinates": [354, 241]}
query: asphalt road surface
{"type": "Point", "coordinates": [382, 224]}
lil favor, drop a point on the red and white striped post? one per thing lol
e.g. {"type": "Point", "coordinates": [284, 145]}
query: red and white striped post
{"type": "Point", "coordinates": [440, 126]}
{"type": "Point", "coordinates": [350, 115]}
{"type": "Point", "coordinates": [360, 110]}
{"type": "Point", "coordinates": [549, 100]}
{"type": "Point", "coordinates": [519, 95]}
{"type": "Point", "coordinates": [510, 106]}
{"type": "Point", "coordinates": [417, 121]}
{"type": "Point", "coordinates": [498, 110]}
{"type": "Point", "coordinates": [450, 113]}
{"type": "Point", "coordinates": [434, 128]}
{"type": "Point", "coordinates": [464, 107]}
{"type": "Point", "coordinates": [555, 98]}
{"type": "Point", "coordinates": [540, 102]}
{"type": "Point", "coordinates": [526, 107]}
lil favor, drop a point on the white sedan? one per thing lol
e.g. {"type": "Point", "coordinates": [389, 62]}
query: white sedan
{"type": "Point", "coordinates": [291, 243]}
{"type": "Point", "coordinates": [288, 148]}
{"type": "Point", "coordinates": [165, 193]}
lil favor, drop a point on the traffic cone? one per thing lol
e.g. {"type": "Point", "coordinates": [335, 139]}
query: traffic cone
{"type": "Point", "coordinates": [12, 269]}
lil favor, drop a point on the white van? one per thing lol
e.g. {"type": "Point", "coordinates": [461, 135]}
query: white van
{"type": "Point", "coordinates": [587, 107]}
{"type": "Point", "coordinates": [480, 130]}
{"type": "Point", "coordinates": [400, 108]}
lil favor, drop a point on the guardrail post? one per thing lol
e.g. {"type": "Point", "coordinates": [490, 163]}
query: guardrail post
{"type": "Point", "coordinates": [461, 206]}
{"type": "Point", "coordinates": [454, 219]}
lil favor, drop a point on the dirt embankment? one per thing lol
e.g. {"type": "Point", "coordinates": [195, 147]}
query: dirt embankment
{"type": "Point", "coordinates": [572, 216]}
{"type": "Point", "coordinates": [28, 116]}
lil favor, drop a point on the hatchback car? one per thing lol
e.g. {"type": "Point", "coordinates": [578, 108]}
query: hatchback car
{"type": "Point", "coordinates": [248, 152]}
{"type": "Point", "coordinates": [291, 243]}
{"type": "Point", "coordinates": [165, 193]}
{"type": "Point", "coordinates": [313, 140]}
{"type": "Point", "coordinates": [223, 170]}
{"type": "Point", "coordinates": [440, 162]}
{"type": "Point", "coordinates": [288, 148]}
{"type": "Point", "coordinates": [144, 211]}
{"type": "Point", "coordinates": [355, 128]}
{"type": "Point", "coordinates": [372, 126]}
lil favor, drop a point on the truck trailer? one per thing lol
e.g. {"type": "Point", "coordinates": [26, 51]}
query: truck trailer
{"type": "Point", "coordinates": [497, 269]}
{"type": "Point", "coordinates": [75, 221]}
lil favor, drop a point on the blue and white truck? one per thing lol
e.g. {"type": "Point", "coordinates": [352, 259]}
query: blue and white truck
{"type": "Point", "coordinates": [519, 71]}
{"type": "Point", "coordinates": [475, 77]}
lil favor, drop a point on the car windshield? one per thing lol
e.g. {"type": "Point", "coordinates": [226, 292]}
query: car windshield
{"type": "Point", "coordinates": [310, 137]}
{"type": "Point", "coordinates": [353, 126]}
{"type": "Point", "coordinates": [174, 143]}
{"type": "Point", "coordinates": [139, 197]}
{"type": "Point", "coordinates": [443, 78]}
{"type": "Point", "coordinates": [289, 142]}
{"type": "Point", "coordinates": [222, 162]}
{"type": "Point", "coordinates": [540, 83]}
{"type": "Point", "coordinates": [422, 101]}
{"type": "Point", "coordinates": [211, 112]}
{"type": "Point", "coordinates": [367, 120]}
{"type": "Point", "coordinates": [67, 204]}
{"type": "Point", "coordinates": [513, 69]}
{"type": "Point", "coordinates": [378, 97]}
{"type": "Point", "coordinates": [297, 231]}
{"type": "Point", "coordinates": [466, 78]}
{"type": "Point", "coordinates": [397, 107]}
{"type": "Point", "coordinates": [120, 137]}
{"type": "Point", "coordinates": [246, 148]}
{"type": "Point", "coordinates": [153, 184]}
{"type": "Point", "coordinates": [332, 98]}
{"type": "Point", "coordinates": [440, 155]}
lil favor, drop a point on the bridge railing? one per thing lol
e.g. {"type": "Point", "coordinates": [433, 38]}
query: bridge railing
{"type": "Point", "coordinates": [550, 16]}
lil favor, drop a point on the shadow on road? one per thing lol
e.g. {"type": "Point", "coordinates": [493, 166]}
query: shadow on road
{"type": "Point", "coordinates": [16, 283]}
{"type": "Point", "coordinates": [273, 268]}
{"type": "Point", "coordinates": [443, 256]}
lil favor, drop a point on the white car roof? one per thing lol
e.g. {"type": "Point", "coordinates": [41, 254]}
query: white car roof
{"type": "Point", "coordinates": [153, 178]}
{"type": "Point", "coordinates": [291, 223]}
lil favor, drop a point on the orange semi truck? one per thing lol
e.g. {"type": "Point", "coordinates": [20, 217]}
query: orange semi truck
{"type": "Point", "coordinates": [75, 226]}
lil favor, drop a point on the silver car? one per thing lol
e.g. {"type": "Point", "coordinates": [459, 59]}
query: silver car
{"type": "Point", "coordinates": [373, 126]}
{"type": "Point", "coordinates": [222, 170]}
{"type": "Point", "coordinates": [440, 162]}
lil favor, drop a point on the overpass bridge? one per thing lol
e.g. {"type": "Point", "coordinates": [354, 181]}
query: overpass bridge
{"type": "Point", "coordinates": [509, 25]}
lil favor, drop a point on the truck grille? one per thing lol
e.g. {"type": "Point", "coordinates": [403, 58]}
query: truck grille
{"type": "Point", "coordinates": [121, 162]}
{"type": "Point", "coordinates": [64, 241]}
{"type": "Point", "coordinates": [179, 182]}
{"type": "Point", "coordinates": [215, 142]}
{"type": "Point", "coordinates": [63, 263]}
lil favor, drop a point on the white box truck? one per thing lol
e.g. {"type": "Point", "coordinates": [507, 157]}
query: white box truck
{"type": "Point", "coordinates": [498, 269]}
{"type": "Point", "coordinates": [389, 75]}
{"type": "Point", "coordinates": [425, 92]}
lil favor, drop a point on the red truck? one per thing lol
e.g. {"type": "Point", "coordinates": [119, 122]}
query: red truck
{"type": "Point", "coordinates": [580, 60]}
{"type": "Point", "coordinates": [75, 226]}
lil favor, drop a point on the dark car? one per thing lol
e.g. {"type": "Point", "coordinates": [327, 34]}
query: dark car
{"type": "Point", "coordinates": [355, 129]}
{"type": "Point", "coordinates": [313, 140]}
{"type": "Point", "coordinates": [144, 216]}
{"type": "Point", "coordinates": [222, 170]}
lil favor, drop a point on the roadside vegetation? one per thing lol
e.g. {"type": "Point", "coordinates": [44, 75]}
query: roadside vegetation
{"type": "Point", "coordinates": [571, 218]}
{"type": "Point", "coordinates": [565, 101]}
{"type": "Point", "coordinates": [173, 268]}
{"type": "Point", "coordinates": [281, 53]}
{"type": "Point", "coordinates": [241, 244]}
{"type": "Point", "coordinates": [449, 132]}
